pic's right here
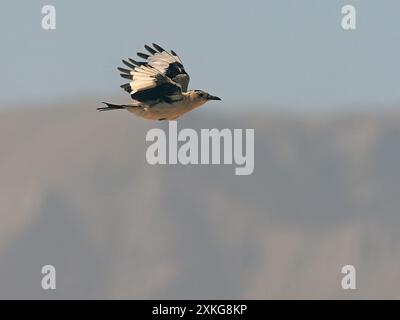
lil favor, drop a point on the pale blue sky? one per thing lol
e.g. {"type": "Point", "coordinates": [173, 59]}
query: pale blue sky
{"type": "Point", "coordinates": [289, 53]}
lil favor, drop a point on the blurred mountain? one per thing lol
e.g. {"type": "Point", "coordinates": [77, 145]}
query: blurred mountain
{"type": "Point", "coordinates": [76, 192]}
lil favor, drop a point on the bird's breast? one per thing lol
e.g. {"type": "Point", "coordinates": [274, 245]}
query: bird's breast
{"type": "Point", "coordinates": [164, 110]}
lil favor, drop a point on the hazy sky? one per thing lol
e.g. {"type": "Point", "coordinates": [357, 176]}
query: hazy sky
{"type": "Point", "coordinates": [290, 53]}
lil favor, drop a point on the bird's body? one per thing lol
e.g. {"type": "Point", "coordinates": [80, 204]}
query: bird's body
{"type": "Point", "coordinates": [156, 110]}
{"type": "Point", "coordinates": [159, 87]}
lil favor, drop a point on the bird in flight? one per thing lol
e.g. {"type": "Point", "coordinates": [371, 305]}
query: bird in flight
{"type": "Point", "coordinates": [158, 86]}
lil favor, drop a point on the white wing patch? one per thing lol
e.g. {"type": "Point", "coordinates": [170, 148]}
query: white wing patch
{"type": "Point", "coordinates": [162, 60]}
{"type": "Point", "coordinates": [147, 77]}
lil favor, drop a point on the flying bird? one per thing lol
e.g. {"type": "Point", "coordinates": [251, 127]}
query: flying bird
{"type": "Point", "coordinates": [158, 86]}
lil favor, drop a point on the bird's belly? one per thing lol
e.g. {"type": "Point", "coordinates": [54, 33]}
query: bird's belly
{"type": "Point", "coordinates": [161, 111]}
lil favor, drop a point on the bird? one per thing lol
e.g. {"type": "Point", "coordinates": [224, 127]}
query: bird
{"type": "Point", "coordinates": [158, 86]}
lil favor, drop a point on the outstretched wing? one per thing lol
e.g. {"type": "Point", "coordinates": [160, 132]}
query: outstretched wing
{"type": "Point", "coordinates": [149, 84]}
{"type": "Point", "coordinates": [166, 62]}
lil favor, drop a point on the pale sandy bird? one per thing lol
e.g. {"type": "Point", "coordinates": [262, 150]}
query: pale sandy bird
{"type": "Point", "coordinates": [159, 86]}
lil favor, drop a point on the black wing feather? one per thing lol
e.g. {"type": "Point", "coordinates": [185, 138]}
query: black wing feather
{"type": "Point", "coordinates": [143, 55]}
{"type": "Point", "coordinates": [129, 65]}
{"type": "Point", "coordinates": [161, 92]}
{"type": "Point", "coordinates": [158, 48]}
{"type": "Point", "coordinates": [150, 49]}
{"type": "Point", "coordinates": [124, 70]}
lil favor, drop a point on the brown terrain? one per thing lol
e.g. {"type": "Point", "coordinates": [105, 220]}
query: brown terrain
{"type": "Point", "coordinates": [76, 192]}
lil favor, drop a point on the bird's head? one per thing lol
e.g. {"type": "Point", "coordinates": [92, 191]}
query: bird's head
{"type": "Point", "coordinates": [204, 96]}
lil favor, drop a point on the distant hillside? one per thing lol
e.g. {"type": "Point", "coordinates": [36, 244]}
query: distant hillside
{"type": "Point", "coordinates": [77, 193]}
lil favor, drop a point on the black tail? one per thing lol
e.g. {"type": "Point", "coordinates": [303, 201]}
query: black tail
{"type": "Point", "coordinates": [111, 107]}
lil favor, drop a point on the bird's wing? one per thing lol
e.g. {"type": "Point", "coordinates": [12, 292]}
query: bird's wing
{"type": "Point", "coordinates": [168, 63]}
{"type": "Point", "coordinates": [149, 84]}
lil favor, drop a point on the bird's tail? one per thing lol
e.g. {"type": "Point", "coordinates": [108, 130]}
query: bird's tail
{"type": "Point", "coordinates": [111, 107]}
